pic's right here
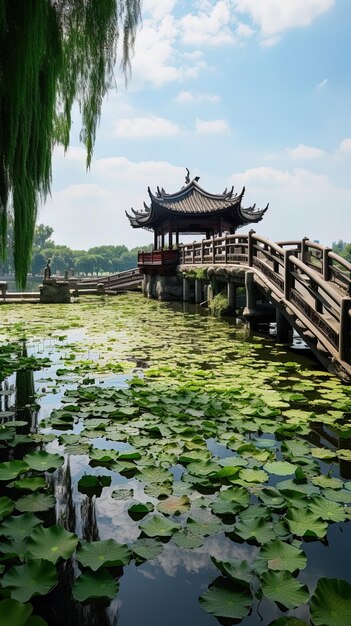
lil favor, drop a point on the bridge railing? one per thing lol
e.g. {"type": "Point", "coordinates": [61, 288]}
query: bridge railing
{"type": "Point", "coordinates": [304, 273]}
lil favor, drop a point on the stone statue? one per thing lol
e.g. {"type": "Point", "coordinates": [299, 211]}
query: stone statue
{"type": "Point", "coordinates": [47, 271]}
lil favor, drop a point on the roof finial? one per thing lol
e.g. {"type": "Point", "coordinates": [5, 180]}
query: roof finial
{"type": "Point", "coordinates": [187, 177]}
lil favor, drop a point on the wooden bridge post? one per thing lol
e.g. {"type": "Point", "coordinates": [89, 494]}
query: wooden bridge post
{"type": "Point", "coordinates": [288, 278]}
{"type": "Point", "coordinates": [303, 248]}
{"type": "Point", "coordinates": [213, 250]}
{"type": "Point", "coordinates": [345, 329]}
{"type": "Point", "coordinates": [326, 267]}
{"type": "Point", "coordinates": [250, 248]}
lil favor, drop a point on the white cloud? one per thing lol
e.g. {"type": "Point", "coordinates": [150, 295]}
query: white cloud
{"type": "Point", "coordinates": [345, 145]}
{"type": "Point", "coordinates": [322, 83]}
{"type": "Point", "coordinates": [244, 30]}
{"type": "Point", "coordinates": [212, 25]}
{"type": "Point", "coordinates": [92, 211]}
{"type": "Point", "coordinates": [273, 17]}
{"type": "Point", "coordinates": [211, 126]}
{"type": "Point", "coordinates": [158, 10]}
{"type": "Point", "coordinates": [185, 97]}
{"type": "Point", "coordinates": [145, 127]}
{"type": "Point", "coordinates": [305, 152]}
{"type": "Point", "coordinates": [301, 203]}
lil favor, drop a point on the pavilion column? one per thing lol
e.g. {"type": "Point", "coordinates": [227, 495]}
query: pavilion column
{"type": "Point", "coordinates": [155, 239]}
{"type": "Point", "coordinates": [170, 239]}
{"type": "Point", "coordinates": [177, 238]}
{"type": "Point", "coordinates": [162, 239]}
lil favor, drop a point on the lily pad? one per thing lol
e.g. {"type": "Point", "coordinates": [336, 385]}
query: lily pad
{"type": "Point", "coordinates": [11, 469]}
{"type": "Point", "coordinates": [184, 538]}
{"type": "Point", "coordinates": [222, 600]}
{"type": "Point", "coordinates": [282, 556]}
{"type": "Point", "coordinates": [203, 523]}
{"type": "Point", "coordinates": [283, 588]}
{"type": "Point", "coordinates": [140, 509]}
{"type": "Point", "coordinates": [158, 526]}
{"type": "Point", "coordinates": [6, 506]}
{"type": "Point", "coordinates": [31, 579]}
{"type": "Point", "coordinates": [14, 613]}
{"type": "Point", "coordinates": [32, 483]}
{"type": "Point", "coordinates": [52, 543]}
{"type": "Point", "coordinates": [147, 549]}
{"type": "Point", "coordinates": [43, 461]}
{"type": "Point", "coordinates": [304, 523]}
{"type": "Point", "coordinates": [253, 475]}
{"type": "Point", "coordinates": [331, 603]}
{"type": "Point", "coordinates": [327, 510]}
{"type": "Point", "coordinates": [255, 529]}
{"type": "Point", "coordinates": [122, 494]}
{"type": "Point", "coordinates": [238, 571]}
{"type": "Point", "coordinates": [105, 553]}
{"type": "Point", "coordinates": [35, 502]}
{"type": "Point", "coordinates": [280, 468]}
{"type": "Point", "coordinates": [95, 586]}
{"type": "Point", "coordinates": [174, 505]}
{"type": "Point", "coordinates": [19, 526]}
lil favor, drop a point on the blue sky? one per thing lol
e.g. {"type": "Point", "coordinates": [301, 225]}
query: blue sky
{"type": "Point", "coordinates": [243, 92]}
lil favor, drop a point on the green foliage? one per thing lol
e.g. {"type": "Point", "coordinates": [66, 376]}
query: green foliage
{"type": "Point", "coordinates": [219, 305]}
{"type": "Point", "coordinates": [52, 55]}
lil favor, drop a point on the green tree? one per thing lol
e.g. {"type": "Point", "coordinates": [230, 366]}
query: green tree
{"type": "Point", "coordinates": [41, 234]}
{"type": "Point", "coordinates": [52, 53]}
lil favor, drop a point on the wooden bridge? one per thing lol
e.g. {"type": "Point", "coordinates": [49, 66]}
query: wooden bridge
{"type": "Point", "coordinates": [308, 284]}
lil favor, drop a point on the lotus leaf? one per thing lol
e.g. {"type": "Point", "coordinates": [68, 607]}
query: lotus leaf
{"type": "Point", "coordinates": [105, 553]}
{"type": "Point", "coordinates": [140, 509]}
{"type": "Point", "coordinates": [338, 495]}
{"type": "Point", "coordinates": [203, 523]}
{"type": "Point", "coordinates": [43, 461]}
{"type": "Point", "coordinates": [331, 603]}
{"type": "Point", "coordinates": [323, 453]}
{"type": "Point", "coordinates": [158, 526]}
{"type": "Point", "coordinates": [231, 501]}
{"type": "Point", "coordinates": [186, 539]}
{"type": "Point", "coordinates": [11, 469]}
{"type": "Point", "coordinates": [122, 494]}
{"type": "Point", "coordinates": [16, 548]}
{"type": "Point", "coordinates": [174, 505]}
{"type": "Point", "coordinates": [327, 482]}
{"type": "Point", "coordinates": [280, 468]}
{"type": "Point", "coordinates": [52, 543]}
{"type": "Point", "coordinates": [35, 502]}
{"type": "Point", "coordinates": [253, 475]}
{"type": "Point", "coordinates": [19, 526]}
{"type": "Point", "coordinates": [32, 483]}
{"type": "Point", "coordinates": [238, 571]}
{"type": "Point", "coordinates": [283, 588]}
{"type": "Point", "coordinates": [14, 613]}
{"type": "Point", "coordinates": [255, 529]}
{"type": "Point", "coordinates": [31, 579]}
{"type": "Point", "coordinates": [222, 600]}
{"type": "Point", "coordinates": [158, 490]}
{"type": "Point", "coordinates": [94, 586]}
{"type": "Point", "coordinates": [147, 549]}
{"type": "Point", "coordinates": [6, 506]}
{"type": "Point", "coordinates": [271, 498]}
{"type": "Point", "coordinates": [282, 556]}
{"type": "Point", "coordinates": [326, 509]}
{"type": "Point", "coordinates": [303, 522]}
{"type": "Point", "coordinates": [154, 475]}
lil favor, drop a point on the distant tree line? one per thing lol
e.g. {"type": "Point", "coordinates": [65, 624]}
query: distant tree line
{"type": "Point", "coordinates": [96, 260]}
{"type": "Point", "coordinates": [342, 248]}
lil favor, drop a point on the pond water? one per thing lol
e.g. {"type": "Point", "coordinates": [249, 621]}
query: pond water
{"type": "Point", "coordinates": [218, 464]}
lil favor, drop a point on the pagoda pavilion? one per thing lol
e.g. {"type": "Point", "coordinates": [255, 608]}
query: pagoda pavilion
{"type": "Point", "coordinates": [192, 210]}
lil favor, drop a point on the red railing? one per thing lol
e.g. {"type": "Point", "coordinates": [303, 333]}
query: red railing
{"type": "Point", "coordinates": [158, 257]}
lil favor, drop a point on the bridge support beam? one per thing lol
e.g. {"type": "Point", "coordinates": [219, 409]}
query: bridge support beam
{"type": "Point", "coordinates": [231, 295]}
{"type": "Point", "coordinates": [186, 289]}
{"type": "Point", "coordinates": [198, 291]}
{"type": "Point", "coordinates": [284, 329]}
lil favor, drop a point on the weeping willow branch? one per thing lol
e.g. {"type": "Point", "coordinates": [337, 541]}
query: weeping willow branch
{"type": "Point", "coordinates": [52, 54]}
